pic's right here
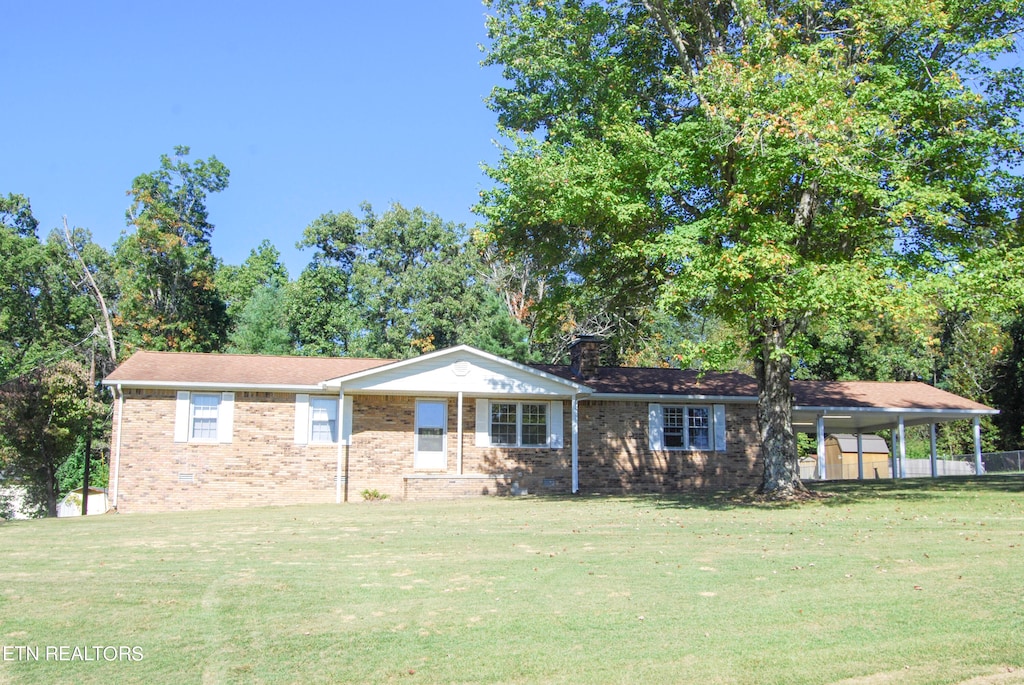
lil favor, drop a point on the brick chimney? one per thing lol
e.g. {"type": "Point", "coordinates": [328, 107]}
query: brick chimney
{"type": "Point", "coordinates": [585, 356]}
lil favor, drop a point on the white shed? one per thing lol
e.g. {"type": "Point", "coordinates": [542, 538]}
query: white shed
{"type": "Point", "coordinates": [71, 505]}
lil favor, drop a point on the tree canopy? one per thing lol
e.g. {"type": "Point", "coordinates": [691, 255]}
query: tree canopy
{"type": "Point", "coordinates": [165, 267]}
{"type": "Point", "coordinates": [774, 162]}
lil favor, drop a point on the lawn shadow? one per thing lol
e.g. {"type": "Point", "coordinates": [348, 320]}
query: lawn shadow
{"type": "Point", "coordinates": [839, 493]}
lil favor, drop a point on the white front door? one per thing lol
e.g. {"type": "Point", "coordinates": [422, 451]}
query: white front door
{"type": "Point", "coordinates": [431, 428]}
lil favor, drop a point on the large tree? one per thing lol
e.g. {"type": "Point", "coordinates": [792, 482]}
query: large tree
{"type": "Point", "coordinates": [165, 266]}
{"type": "Point", "coordinates": [770, 160]}
{"type": "Point", "coordinates": [43, 413]}
{"type": "Point", "coordinates": [394, 285]}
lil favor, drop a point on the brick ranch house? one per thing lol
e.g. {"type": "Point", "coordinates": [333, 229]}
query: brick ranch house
{"type": "Point", "coordinates": [203, 431]}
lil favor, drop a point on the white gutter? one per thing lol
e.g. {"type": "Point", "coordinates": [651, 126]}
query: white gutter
{"type": "Point", "coordinates": [893, 410]}
{"type": "Point", "coordinates": [199, 385]}
{"type": "Point", "coordinates": [638, 397]}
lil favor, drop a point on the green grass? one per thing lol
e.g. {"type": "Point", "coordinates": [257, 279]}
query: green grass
{"type": "Point", "coordinates": [910, 582]}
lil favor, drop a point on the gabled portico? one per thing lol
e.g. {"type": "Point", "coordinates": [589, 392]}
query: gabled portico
{"type": "Point", "coordinates": [523, 404]}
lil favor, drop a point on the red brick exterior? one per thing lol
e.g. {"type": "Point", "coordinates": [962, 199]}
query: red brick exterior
{"type": "Point", "coordinates": [263, 465]}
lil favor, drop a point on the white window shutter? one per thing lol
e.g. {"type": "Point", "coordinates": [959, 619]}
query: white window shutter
{"type": "Point", "coordinates": [555, 428]}
{"type": "Point", "coordinates": [226, 417]}
{"type": "Point", "coordinates": [346, 420]}
{"type": "Point", "coordinates": [483, 423]}
{"type": "Point", "coordinates": [655, 427]}
{"type": "Point", "coordinates": [181, 418]}
{"type": "Point", "coordinates": [301, 419]}
{"type": "Point", "coordinates": [719, 427]}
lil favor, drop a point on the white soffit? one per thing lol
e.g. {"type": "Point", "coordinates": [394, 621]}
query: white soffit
{"type": "Point", "coordinates": [458, 369]}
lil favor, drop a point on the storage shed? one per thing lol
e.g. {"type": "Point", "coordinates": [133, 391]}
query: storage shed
{"type": "Point", "coordinates": [841, 457]}
{"type": "Point", "coordinates": [71, 505]}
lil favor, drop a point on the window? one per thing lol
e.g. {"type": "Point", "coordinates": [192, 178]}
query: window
{"type": "Point", "coordinates": [504, 424]}
{"type": "Point", "coordinates": [682, 427]}
{"type": "Point", "coordinates": [534, 420]}
{"type": "Point", "coordinates": [323, 419]}
{"type": "Point", "coordinates": [316, 420]}
{"type": "Point", "coordinates": [519, 424]}
{"type": "Point", "coordinates": [203, 416]}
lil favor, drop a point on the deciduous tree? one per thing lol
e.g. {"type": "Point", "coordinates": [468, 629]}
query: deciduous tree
{"type": "Point", "coordinates": [772, 160]}
{"type": "Point", "coordinates": [165, 266]}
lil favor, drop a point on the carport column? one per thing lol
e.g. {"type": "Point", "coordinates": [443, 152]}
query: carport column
{"type": "Point", "coordinates": [821, 447]}
{"type": "Point", "coordinates": [978, 467]}
{"type": "Point", "coordinates": [575, 445]}
{"type": "Point", "coordinates": [903, 448]}
{"type": "Point", "coordinates": [934, 453]}
{"type": "Point", "coordinates": [860, 456]}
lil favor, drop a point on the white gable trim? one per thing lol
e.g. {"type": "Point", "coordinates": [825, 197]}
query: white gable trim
{"type": "Point", "coordinates": [413, 376]}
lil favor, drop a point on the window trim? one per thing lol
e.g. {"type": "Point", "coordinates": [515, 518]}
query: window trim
{"type": "Point", "coordinates": [553, 428]}
{"type": "Point", "coordinates": [342, 416]}
{"type": "Point", "coordinates": [716, 427]}
{"type": "Point", "coordinates": [184, 417]}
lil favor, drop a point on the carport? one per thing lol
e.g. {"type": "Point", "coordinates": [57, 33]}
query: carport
{"type": "Point", "coordinates": [863, 407]}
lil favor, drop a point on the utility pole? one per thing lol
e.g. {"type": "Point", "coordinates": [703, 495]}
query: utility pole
{"type": "Point", "coordinates": [88, 428]}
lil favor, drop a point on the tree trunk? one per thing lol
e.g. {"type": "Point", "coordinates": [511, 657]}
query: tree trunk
{"type": "Point", "coordinates": [773, 366]}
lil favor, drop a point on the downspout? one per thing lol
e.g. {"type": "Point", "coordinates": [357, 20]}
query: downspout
{"type": "Point", "coordinates": [117, 445]}
{"type": "Point", "coordinates": [575, 445]}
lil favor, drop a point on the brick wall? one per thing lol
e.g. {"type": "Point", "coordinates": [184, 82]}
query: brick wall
{"type": "Point", "coordinates": [263, 465]}
{"type": "Point", "coordinates": [615, 455]}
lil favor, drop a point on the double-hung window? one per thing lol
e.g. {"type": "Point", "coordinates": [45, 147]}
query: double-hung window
{"type": "Point", "coordinates": [316, 419]}
{"type": "Point", "coordinates": [323, 419]}
{"type": "Point", "coordinates": [687, 427]}
{"type": "Point", "coordinates": [203, 411]}
{"type": "Point", "coordinates": [204, 416]}
{"type": "Point", "coordinates": [501, 423]}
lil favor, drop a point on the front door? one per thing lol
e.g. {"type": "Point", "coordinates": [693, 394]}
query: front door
{"type": "Point", "coordinates": [431, 427]}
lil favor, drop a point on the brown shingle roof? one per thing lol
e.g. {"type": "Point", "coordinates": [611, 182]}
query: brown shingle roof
{"type": "Point", "coordinates": [647, 381]}
{"type": "Point", "coordinates": [167, 368]}
{"type": "Point", "coordinates": [235, 369]}
{"type": "Point", "coordinates": [907, 395]}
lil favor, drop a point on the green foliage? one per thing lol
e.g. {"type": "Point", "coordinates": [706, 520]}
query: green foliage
{"type": "Point", "coordinates": [71, 474]}
{"type": "Point", "coordinates": [394, 285]}
{"type": "Point", "coordinates": [43, 414]}
{"type": "Point", "coordinates": [262, 268]}
{"type": "Point", "coordinates": [165, 267]}
{"type": "Point", "coordinates": [774, 163]}
{"type": "Point", "coordinates": [373, 495]}
{"type": "Point", "coordinates": [262, 324]}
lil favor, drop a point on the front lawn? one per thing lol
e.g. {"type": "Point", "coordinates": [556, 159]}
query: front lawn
{"type": "Point", "coordinates": [908, 582]}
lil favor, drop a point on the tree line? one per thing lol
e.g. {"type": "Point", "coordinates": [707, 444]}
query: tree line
{"type": "Point", "coordinates": [819, 190]}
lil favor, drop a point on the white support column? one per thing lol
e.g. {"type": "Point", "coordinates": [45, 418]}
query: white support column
{"type": "Point", "coordinates": [903, 448]}
{"type": "Point", "coordinates": [821, 448]}
{"type": "Point", "coordinates": [458, 434]}
{"type": "Point", "coordinates": [341, 448]}
{"type": "Point", "coordinates": [894, 458]}
{"type": "Point", "coordinates": [979, 468]}
{"type": "Point", "coordinates": [575, 445]}
{"type": "Point", "coordinates": [934, 453]}
{"type": "Point", "coordinates": [860, 455]}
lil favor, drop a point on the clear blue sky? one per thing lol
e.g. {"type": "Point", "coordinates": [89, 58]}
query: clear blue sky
{"type": "Point", "coordinates": [313, 106]}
